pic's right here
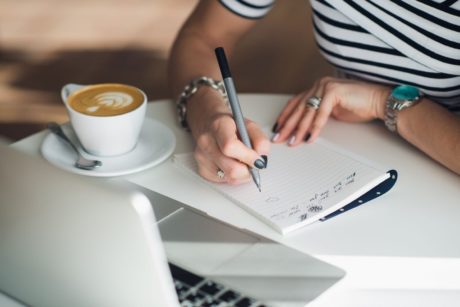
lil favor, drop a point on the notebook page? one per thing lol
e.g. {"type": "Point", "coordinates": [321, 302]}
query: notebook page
{"type": "Point", "coordinates": [300, 185]}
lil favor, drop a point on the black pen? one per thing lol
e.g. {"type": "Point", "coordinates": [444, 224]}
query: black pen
{"type": "Point", "coordinates": [235, 106]}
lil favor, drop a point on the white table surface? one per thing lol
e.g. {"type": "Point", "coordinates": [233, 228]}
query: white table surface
{"type": "Point", "coordinates": [402, 249]}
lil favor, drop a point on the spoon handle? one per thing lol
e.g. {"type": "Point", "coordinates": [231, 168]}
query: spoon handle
{"type": "Point", "coordinates": [57, 130]}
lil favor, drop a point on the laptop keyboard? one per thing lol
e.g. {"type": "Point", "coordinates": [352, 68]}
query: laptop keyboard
{"type": "Point", "coordinates": [194, 290]}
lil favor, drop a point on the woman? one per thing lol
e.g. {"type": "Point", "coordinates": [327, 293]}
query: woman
{"type": "Point", "coordinates": [399, 62]}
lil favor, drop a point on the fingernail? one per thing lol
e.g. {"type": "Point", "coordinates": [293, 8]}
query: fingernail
{"type": "Point", "coordinates": [307, 137]}
{"type": "Point", "coordinates": [259, 163]}
{"type": "Point", "coordinates": [291, 140]}
{"type": "Point", "coordinates": [265, 157]}
{"type": "Point", "coordinates": [275, 128]}
{"type": "Point", "coordinates": [275, 137]}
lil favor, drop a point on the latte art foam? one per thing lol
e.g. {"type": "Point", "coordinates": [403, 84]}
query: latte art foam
{"type": "Point", "coordinates": [106, 99]}
{"type": "Point", "coordinates": [111, 100]}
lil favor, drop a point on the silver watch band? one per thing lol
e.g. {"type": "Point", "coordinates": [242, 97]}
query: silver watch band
{"type": "Point", "coordinates": [190, 89]}
{"type": "Point", "coordinates": [401, 101]}
{"type": "Point", "coordinates": [391, 116]}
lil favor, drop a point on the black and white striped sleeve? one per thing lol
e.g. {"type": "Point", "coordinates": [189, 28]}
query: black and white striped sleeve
{"type": "Point", "coordinates": [252, 9]}
{"type": "Point", "coordinates": [395, 41]}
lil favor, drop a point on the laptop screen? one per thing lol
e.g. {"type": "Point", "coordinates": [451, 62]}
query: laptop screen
{"type": "Point", "coordinates": [71, 240]}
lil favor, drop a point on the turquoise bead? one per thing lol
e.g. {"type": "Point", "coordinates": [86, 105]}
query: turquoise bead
{"type": "Point", "coordinates": [405, 92]}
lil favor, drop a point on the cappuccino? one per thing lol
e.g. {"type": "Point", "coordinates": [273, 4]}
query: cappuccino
{"type": "Point", "coordinates": [106, 99]}
{"type": "Point", "coordinates": [107, 118]}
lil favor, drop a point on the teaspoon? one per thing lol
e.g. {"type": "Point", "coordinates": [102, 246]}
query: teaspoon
{"type": "Point", "coordinates": [81, 162]}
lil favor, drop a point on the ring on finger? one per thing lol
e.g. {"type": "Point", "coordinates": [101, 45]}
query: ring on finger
{"type": "Point", "coordinates": [313, 102]}
{"type": "Point", "coordinates": [220, 174]}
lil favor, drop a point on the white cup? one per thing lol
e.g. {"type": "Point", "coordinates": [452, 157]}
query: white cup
{"type": "Point", "coordinates": [105, 135]}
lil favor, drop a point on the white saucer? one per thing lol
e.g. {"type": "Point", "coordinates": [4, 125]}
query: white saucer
{"type": "Point", "coordinates": [156, 144]}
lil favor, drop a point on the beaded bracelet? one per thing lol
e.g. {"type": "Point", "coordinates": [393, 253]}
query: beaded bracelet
{"type": "Point", "coordinates": [192, 88]}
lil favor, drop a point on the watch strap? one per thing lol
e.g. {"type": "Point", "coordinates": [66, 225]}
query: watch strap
{"type": "Point", "coordinates": [401, 97]}
{"type": "Point", "coordinates": [391, 115]}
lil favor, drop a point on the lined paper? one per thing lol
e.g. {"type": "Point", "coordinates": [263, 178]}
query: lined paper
{"type": "Point", "coordinates": [301, 184]}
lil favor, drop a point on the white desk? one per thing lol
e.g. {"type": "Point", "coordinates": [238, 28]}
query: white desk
{"type": "Point", "coordinates": [402, 249]}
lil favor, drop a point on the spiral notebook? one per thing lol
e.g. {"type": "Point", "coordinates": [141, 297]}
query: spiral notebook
{"type": "Point", "coordinates": [304, 184]}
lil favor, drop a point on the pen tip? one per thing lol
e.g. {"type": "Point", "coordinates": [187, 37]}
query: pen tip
{"type": "Point", "coordinates": [260, 190]}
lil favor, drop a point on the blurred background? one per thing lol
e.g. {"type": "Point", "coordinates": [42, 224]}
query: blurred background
{"type": "Point", "coordinates": [45, 44]}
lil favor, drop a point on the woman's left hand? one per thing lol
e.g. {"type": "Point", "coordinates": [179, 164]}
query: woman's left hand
{"type": "Point", "coordinates": [346, 100]}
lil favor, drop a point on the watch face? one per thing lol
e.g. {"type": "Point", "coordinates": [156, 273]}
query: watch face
{"type": "Point", "coordinates": [405, 92]}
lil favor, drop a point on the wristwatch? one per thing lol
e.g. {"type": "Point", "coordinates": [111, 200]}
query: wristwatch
{"type": "Point", "coordinates": [401, 97]}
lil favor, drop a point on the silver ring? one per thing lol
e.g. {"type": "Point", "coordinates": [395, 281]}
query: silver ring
{"type": "Point", "coordinates": [313, 102]}
{"type": "Point", "coordinates": [220, 174]}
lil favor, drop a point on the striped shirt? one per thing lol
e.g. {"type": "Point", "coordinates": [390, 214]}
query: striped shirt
{"type": "Point", "coordinates": [415, 42]}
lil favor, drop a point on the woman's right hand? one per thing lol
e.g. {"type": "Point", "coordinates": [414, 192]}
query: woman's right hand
{"type": "Point", "coordinates": [217, 144]}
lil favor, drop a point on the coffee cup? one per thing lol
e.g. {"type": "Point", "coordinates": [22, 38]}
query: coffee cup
{"type": "Point", "coordinates": [107, 118]}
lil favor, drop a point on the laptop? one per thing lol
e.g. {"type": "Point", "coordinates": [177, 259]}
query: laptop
{"type": "Point", "coordinates": [72, 240]}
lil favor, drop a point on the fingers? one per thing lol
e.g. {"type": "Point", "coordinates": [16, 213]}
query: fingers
{"type": "Point", "coordinates": [291, 115]}
{"type": "Point", "coordinates": [302, 132]}
{"type": "Point", "coordinates": [321, 117]}
{"type": "Point", "coordinates": [297, 125]}
{"type": "Point", "coordinates": [299, 122]}
{"type": "Point", "coordinates": [230, 145]}
{"type": "Point", "coordinates": [233, 172]}
{"type": "Point", "coordinates": [289, 125]}
{"type": "Point", "coordinates": [260, 142]}
{"type": "Point", "coordinates": [221, 149]}
{"type": "Point", "coordinates": [288, 109]}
